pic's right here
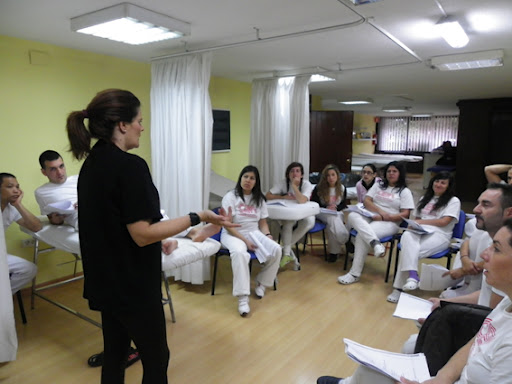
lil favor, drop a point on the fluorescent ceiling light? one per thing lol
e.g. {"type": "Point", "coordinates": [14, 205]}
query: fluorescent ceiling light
{"type": "Point", "coordinates": [316, 78]}
{"type": "Point", "coordinates": [360, 2]}
{"type": "Point", "coordinates": [473, 60]}
{"type": "Point", "coordinates": [452, 32]}
{"type": "Point", "coordinates": [395, 109]}
{"type": "Point", "coordinates": [356, 102]}
{"type": "Point", "coordinates": [130, 24]}
{"type": "Point", "coordinates": [421, 115]}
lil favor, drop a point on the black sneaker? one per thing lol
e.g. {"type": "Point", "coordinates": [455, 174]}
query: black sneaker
{"type": "Point", "coordinates": [332, 257]}
{"type": "Point", "coordinates": [328, 380]}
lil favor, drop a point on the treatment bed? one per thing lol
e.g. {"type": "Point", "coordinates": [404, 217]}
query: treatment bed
{"type": "Point", "coordinates": [65, 238]}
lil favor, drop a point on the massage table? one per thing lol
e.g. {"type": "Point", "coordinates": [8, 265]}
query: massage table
{"type": "Point", "coordinates": [65, 238]}
{"type": "Point", "coordinates": [380, 160]}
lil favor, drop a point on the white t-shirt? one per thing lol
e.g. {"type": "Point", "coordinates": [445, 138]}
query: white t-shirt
{"type": "Point", "coordinates": [490, 357]}
{"type": "Point", "coordinates": [53, 193]}
{"type": "Point", "coordinates": [10, 215]}
{"type": "Point", "coordinates": [245, 211]}
{"type": "Point", "coordinates": [390, 200]}
{"type": "Point", "coordinates": [280, 188]}
{"type": "Point", "coordinates": [452, 209]}
{"type": "Point", "coordinates": [479, 242]}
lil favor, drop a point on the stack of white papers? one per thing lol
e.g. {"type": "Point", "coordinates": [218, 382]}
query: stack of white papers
{"type": "Point", "coordinates": [432, 279]}
{"type": "Point", "coordinates": [393, 365]}
{"type": "Point", "coordinates": [277, 202]}
{"type": "Point", "coordinates": [262, 254]}
{"type": "Point", "coordinates": [359, 208]}
{"type": "Point", "coordinates": [412, 308]}
{"type": "Point", "coordinates": [413, 226]}
{"type": "Point", "coordinates": [329, 211]}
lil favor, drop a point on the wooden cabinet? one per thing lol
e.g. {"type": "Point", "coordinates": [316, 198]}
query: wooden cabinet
{"type": "Point", "coordinates": [331, 139]}
{"type": "Point", "coordinates": [484, 137]}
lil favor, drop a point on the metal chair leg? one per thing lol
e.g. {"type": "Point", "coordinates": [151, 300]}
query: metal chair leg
{"type": "Point", "coordinates": [22, 308]}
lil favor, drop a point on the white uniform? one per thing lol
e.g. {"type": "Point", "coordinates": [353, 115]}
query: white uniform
{"type": "Point", "coordinates": [415, 246]}
{"type": "Point", "coordinates": [488, 360]}
{"type": "Point", "coordinates": [389, 200]}
{"type": "Point", "coordinates": [337, 233]}
{"type": "Point", "coordinates": [21, 271]}
{"type": "Point", "coordinates": [248, 215]}
{"type": "Point", "coordinates": [53, 193]}
{"type": "Point", "coordinates": [289, 236]}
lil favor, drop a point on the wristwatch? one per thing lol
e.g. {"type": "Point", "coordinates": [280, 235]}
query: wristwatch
{"type": "Point", "coordinates": [194, 219]}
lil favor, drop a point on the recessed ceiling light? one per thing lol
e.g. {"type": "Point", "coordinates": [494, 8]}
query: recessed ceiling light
{"type": "Point", "coordinates": [130, 24]}
{"type": "Point", "coordinates": [356, 102]}
{"type": "Point", "coordinates": [452, 32]}
{"type": "Point", "coordinates": [396, 109]}
{"type": "Point", "coordinates": [484, 59]}
{"type": "Point", "coordinates": [422, 115]}
{"type": "Point", "coordinates": [317, 78]}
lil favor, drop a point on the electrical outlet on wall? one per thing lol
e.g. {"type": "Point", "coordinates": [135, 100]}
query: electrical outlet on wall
{"type": "Point", "coordinates": [30, 242]}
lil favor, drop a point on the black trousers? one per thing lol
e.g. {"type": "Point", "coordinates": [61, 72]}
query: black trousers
{"type": "Point", "coordinates": [146, 327]}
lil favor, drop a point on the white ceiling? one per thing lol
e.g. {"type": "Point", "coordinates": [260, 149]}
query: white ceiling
{"type": "Point", "coordinates": [366, 63]}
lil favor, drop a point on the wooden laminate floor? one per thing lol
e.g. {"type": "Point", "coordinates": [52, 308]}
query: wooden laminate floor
{"type": "Point", "coordinates": [293, 335]}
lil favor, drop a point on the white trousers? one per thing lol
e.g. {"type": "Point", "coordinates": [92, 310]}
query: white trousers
{"type": "Point", "coordinates": [289, 236]}
{"type": "Point", "coordinates": [240, 263]}
{"type": "Point", "coordinates": [21, 272]}
{"type": "Point", "coordinates": [367, 231]}
{"type": "Point", "coordinates": [337, 233]}
{"type": "Point", "coordinates": [415, 247]}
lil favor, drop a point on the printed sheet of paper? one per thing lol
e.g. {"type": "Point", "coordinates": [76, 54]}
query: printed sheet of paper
{"type": "Point", "coordinates": [412, 307]}
{"type": "Point", "coordinates": [359, 208]}
{"type": "Point", "coordinates": [416, 228]}
{"type": "Point", "coordinates": [329, 211]}
{"type": "Point", "coordinates": [394, 365]}
{"type": "Point", "coordinates": [262, 254]}
{"type": "Point", "coordinates": [277, 202]}
{"type": "Point", "coordinates": [432, 279]}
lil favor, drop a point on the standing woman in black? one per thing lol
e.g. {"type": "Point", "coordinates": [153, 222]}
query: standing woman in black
{"type": "Point", "coordinates": [120, 233]}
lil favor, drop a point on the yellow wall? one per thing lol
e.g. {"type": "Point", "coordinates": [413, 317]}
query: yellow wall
{"type": "Point", "coordinates": [234, 96]}
{"type": "Point", "coordinates": [34, 102]}
{"type": "Point", "coordinates": [36, 98]}
{"type": "Point", "coordinates": [363, 123]}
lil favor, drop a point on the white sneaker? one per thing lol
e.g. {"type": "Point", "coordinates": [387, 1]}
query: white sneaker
{"type": "Point", "coordinates": [411, 284]}
{"type": "Point", "coordinates": [259, 291]}
{"type": "Point", "coordinates": [394, 296]}
{"type": "Point", "coordinates": [348, 279]}
{"type": "Point", "coordinates": [379, 250]}
{"type": "Point", "coordinates": [243, 305]}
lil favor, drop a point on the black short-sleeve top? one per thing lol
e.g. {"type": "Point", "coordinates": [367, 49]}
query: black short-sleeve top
{"type": "Point", "coordinates": [115, 189]}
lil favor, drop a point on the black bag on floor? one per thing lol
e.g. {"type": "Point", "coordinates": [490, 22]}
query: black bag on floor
{"type": "Point", "coordinates": [446, 330]}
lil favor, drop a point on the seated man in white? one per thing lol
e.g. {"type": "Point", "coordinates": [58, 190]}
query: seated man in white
{"type": "Point", "coordinates": [59, 189]}
{"type": "Point", "coordinates": [21, 271]}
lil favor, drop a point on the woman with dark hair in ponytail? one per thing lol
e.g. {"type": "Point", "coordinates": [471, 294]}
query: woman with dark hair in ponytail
{"type": "Point", "coordinates": [121, 232]}
{"type": "Point", "coordinates": [437, 211]}
{"type": "Point", "coordinates": [293, 187]}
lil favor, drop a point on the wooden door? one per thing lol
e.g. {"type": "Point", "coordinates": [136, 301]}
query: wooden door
{"type": "Point", "coordinates": [331, 139]}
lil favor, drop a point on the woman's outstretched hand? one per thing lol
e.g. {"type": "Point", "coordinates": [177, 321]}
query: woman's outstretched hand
{"type": "Point", "coordinates": [224, 219]}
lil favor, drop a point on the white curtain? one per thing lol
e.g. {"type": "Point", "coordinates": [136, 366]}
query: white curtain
{"type": "Point", "coordinates": [279, 127]}
{"type": "Point", "coordinates": [8, 339]}
{"type": "Point", "coordinates": [181, 140]}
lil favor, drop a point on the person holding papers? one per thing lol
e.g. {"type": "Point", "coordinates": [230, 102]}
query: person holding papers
{"type": "Point", "coordinates": [437, 213]}
{"type": "Point", "coordinates": [486, 357]}
{"type": "Point", "coordinates": [249, 208]}
{"type": "Point", "coordinates": [390, 201]}
{"type": "Point", "coordinates": [293, 187]}
{"type": "Point", "coordinates": [331, 195]}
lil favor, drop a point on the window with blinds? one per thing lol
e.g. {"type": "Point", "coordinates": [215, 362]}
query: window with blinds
{"type": "Point", "coordinates": [416, 134]}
